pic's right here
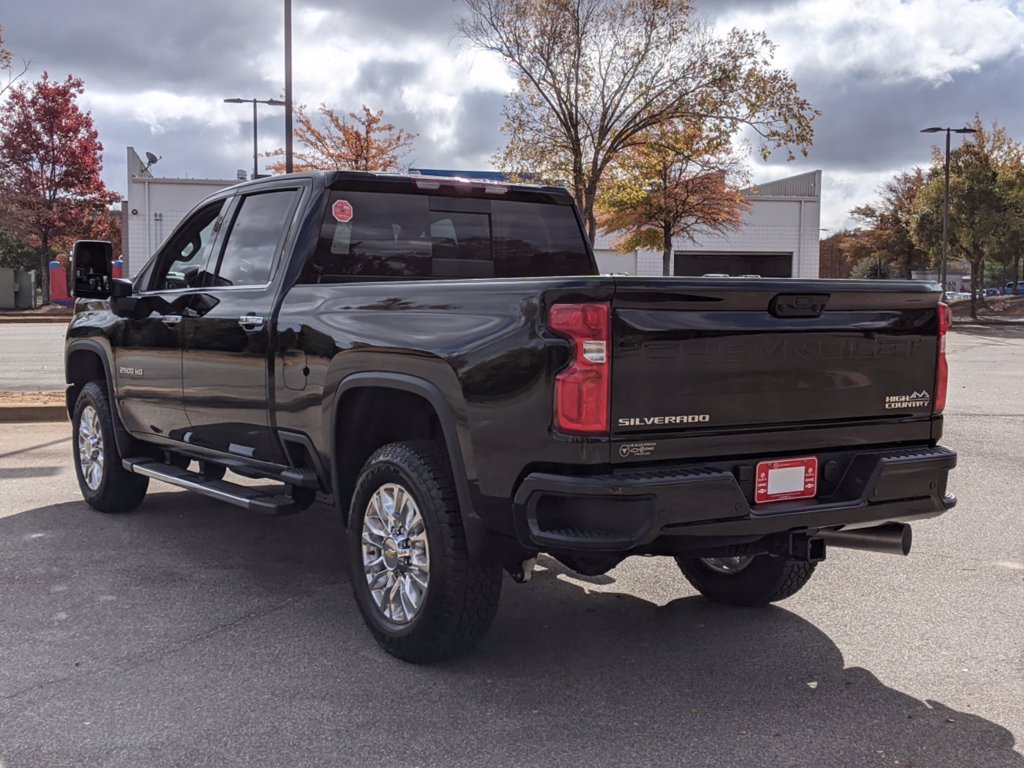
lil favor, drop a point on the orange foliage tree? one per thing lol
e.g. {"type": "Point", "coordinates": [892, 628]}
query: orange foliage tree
{"type": "Point", "coordinates": [360, 142]}
{"type": "Point", "coordinates": [673, 185]}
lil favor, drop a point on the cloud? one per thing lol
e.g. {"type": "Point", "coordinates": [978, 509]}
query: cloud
{"type": "Point", "coordinates": [879, 71]}
{"type": "Point", "coordinates": [156, 74]}
{"type": "Point", "coordinates": [889, 41]}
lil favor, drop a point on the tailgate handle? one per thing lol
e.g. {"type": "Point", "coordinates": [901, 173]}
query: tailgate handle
{"type": "Point", "coordinates": [798, 304]}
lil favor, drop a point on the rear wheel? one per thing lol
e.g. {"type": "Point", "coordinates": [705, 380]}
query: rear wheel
{"type": "Point", "coordinates": [748, 580]}
{"type": "Point", "coordinates": [421, 596]}
{"type": "Point", "coordinates": [106, 485]}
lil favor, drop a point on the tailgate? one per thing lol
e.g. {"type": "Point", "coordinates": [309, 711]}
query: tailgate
{"type": "Point", "coordinates": [693, 356]}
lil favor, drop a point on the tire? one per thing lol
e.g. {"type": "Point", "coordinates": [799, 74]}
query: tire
{"type": "Point", "coordinates": [106, 485]}
{"type": "Point", "coordinates": [421, 596]}
{"type": "Point", "coordinates": [752, 581]}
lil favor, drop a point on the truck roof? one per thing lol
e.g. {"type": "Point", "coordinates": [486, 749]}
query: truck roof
{"type": "Point", "coordinates": [418, 182]}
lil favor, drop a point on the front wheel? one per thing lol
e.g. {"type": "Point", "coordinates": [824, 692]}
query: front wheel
{"type": "Point", "coordinates": [105, 484]}
{"type": "Point", "coordinates": [749, 580]}
{"type": "Point", "coordinates": [419, 592]}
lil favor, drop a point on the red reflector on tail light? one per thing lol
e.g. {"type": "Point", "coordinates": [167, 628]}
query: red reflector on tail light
{"type": "Point", "coordinates": [583, 390]}
{"type": "Point", "coordinates": [941, 366]}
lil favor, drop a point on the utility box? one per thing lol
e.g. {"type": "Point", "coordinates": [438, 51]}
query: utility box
{"type": "Point", "coordinates": [25, 289]}
{"type": "Point", "coordinates": [7, 283]}
{"type": "Point", "coordinates": [17, 289]}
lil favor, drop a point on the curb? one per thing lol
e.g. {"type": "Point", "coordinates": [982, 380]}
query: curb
{"type": "Point", "coordinates": [31, 413]}
{"type": "Point", "coordinates": [59, 319]}
{"type": "Point", "coordinates": [986, 323]}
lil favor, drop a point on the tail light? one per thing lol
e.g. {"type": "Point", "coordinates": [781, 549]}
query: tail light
{"type": "Point", "coordinates": [942, 368]}
{"type": "Point", "coordinates": [583, 390]}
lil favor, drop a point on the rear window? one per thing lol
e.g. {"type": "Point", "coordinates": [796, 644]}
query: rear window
{"type": "Point", "coordinates": [374, 236]}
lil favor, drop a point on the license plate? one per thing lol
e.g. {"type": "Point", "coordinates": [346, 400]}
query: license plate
{"type": "Point", "coordinates": [786, 479]}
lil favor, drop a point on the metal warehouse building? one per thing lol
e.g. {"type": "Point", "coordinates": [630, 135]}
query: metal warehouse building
{"type": "Point", "coordinates": [778, 238]}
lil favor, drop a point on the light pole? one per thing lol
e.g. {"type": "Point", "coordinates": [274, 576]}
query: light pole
{"type": "Point", "coordinates": [288, 153]}
{"type": "Point", "coordinates": [255, 142]}
{"type": "Point", "coordinates": [945, 200]}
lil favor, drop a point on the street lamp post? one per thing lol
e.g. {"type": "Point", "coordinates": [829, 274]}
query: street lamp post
{"type": "Point", "coordinates": [945, 200]}
{"type": "Point", "coordinates": [255, 141]}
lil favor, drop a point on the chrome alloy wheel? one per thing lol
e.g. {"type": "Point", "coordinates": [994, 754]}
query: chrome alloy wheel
{"type": "Point", "coordinates": [728, 565]}
{"type": "Point", "coordinates": [90, 447]}
{"type": "Point", "coordinates": [396, 556]}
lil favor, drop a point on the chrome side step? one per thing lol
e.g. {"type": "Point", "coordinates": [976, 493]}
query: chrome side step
{"type": "Point", "coordinates": [253, 499]}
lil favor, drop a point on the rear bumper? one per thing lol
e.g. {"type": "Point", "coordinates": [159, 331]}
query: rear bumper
{"type": "Point", "coordinates": [630, 510]}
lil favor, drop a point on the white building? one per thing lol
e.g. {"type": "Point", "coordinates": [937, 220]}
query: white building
{"type": "Point", "coordinates": [778, 238]}
{"type": "Point", "coordinates": [154, 208]}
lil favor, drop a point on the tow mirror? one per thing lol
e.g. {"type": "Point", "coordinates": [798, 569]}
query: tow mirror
{"type": "Point", "coordinates": [90, 267]}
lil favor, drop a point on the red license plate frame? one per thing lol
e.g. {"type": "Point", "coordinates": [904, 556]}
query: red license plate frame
{"type": "Point", "coordinates": [777, 480]}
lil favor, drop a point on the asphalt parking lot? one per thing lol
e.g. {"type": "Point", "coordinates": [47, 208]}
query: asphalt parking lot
{"type": "Point", "coordinates": [194, 634]}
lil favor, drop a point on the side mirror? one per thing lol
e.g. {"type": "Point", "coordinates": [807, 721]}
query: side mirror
{"type": "Point", "coordinates": [90, 269]}
{"type": "Point", "coordinates": [122, 301]}
{"type": "Point", "coordinates": [120, 288]}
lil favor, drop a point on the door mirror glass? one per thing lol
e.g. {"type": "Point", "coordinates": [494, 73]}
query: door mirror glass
{"type": "Point", "coordinates": [90, 266]}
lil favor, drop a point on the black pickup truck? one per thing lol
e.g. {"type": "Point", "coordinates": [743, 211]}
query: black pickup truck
{"type": "Point", "coordinates": [439, 361]}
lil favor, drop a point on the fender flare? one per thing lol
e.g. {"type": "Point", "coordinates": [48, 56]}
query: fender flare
{"type": "Point", "coordinates": [92, 346]}
{"type": "Point", "coordinates": [442, 408]}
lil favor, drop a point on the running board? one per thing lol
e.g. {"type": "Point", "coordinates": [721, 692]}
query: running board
{"type": "Point", "coordinates": [253, 499]}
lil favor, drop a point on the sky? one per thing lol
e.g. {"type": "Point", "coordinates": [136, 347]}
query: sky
{"type": "Point", "coordinates": [156, 74]}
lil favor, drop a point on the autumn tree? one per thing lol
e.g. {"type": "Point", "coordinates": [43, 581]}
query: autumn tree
{"type": "Point", "coordinates": [360, 142]}
{"type": "Point", "coordinates": [595, 77]}
{"type": "Point", "coordinates": [50, 163]}
{"type": "Point", "coordinates": [839, 253]}
{"type": "Point", "coordinates": [9, 73]}
{"type": "Point", "coordinates": [982, 223]}
{"type": "Point", "coordinates": [673, 185]}
{"type": "Point", "coordinates": [1008, 239]}
{"type": "Point", "coordinates": [889, 223]}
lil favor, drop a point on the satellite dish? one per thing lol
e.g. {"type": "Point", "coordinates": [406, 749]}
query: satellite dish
{"type": "Point", "coordinates": [151, 159]}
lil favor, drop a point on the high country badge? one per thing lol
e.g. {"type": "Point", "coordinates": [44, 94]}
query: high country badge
{"type": "Point", "coordinates": [914, 400]}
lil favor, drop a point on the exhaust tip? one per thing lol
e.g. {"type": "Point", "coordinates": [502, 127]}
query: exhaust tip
{"type": "Point", "coordinates": [891, 538]}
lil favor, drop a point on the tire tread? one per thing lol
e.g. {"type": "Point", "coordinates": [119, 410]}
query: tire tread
{"type": "Point", "coordinates": [120, 491]}
{"type": "Point", "coordinates": [472, 590]}
{"type": "Point", "coordinates": [767, 580]}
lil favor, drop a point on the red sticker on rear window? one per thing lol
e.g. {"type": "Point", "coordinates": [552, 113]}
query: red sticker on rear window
{"type": "Point", "coordinates": [342, 211]}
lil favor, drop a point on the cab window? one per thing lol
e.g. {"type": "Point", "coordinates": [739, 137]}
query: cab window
{"type": "Point", "coordinates": [182, 260]}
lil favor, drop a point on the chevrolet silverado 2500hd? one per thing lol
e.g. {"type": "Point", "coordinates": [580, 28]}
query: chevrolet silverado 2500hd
{"type": "Point", "coordinates": [439, 361]}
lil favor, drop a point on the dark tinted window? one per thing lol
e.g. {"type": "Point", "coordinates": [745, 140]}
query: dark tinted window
{"type": "Point", "coordinates": [536, 239]}
{"type": "Point", "coordinates": [371, 235]}
{"type": "Point", "coordinates": [260, 224]}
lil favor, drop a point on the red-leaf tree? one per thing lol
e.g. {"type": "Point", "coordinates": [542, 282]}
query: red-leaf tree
{"type": "Point", "coordinates": [50, 163]}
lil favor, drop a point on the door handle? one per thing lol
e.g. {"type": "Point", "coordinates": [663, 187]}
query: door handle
{"type": "Point", "coordinates": [252, 322]}
{"type": "Point", "coordinates": [170, 319]}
